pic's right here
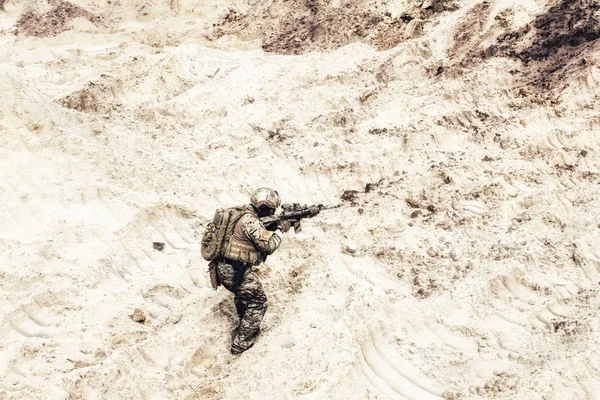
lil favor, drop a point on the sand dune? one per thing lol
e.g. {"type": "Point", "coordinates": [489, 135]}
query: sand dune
{"type": "Point", "coordinates": [460, 137]}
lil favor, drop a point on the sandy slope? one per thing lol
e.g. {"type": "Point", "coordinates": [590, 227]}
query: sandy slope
{"type": "Point", "coordinates": [470, 183]}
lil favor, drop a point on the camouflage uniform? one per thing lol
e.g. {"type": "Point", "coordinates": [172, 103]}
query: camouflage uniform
{"type": "Point", "coordinates": [249, 245]}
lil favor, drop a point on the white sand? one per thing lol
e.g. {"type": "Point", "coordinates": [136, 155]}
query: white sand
{"type": "Point", "coordinates": [492, 295]}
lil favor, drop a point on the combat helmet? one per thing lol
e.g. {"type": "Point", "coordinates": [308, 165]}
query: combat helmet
{"type": "Point", "coordinates": [265, 201]}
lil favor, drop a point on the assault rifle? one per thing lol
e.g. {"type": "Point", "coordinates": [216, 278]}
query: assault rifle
{"type": "Point", "coordinates": [293, 213]}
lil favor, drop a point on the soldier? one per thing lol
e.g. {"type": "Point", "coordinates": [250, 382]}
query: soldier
{"type": "Point", "coordinates": [248, 245]}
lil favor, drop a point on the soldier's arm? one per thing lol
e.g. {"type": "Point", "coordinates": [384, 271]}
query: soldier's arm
{"type": "Point", "coordinates": [267, 242]}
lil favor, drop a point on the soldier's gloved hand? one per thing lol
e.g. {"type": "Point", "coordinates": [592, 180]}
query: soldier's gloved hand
{"type": "Point", "coordinates": [272, 226]}
{"type": "Point", "coordinates": [284, 226]}
{"type": "Point", "coordinates": [314, 210]}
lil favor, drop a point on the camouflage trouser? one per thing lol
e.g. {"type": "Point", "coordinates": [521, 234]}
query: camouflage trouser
{"type": "Point", "coordinates": [250, 303]}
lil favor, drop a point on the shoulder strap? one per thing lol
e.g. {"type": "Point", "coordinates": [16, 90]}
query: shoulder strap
{"type": "Point", "coordinates": [236, 213]}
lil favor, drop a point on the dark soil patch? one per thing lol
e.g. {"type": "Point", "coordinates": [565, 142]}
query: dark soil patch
{"type": "Point", "coordinates": [555, 44]}
{"type": "Point", "coordinates": [56, 21]}
{"type": "Point", "coordinates": [350, 195]}
{"type": "Point", "coordinates": [564, 28]}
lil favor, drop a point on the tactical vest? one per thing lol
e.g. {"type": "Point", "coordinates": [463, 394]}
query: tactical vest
{"type": "Point", "coordinates": [238, 247]}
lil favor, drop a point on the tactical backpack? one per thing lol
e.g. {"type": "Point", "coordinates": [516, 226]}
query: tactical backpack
{"type": "Point", "coordinates": [216, 233]}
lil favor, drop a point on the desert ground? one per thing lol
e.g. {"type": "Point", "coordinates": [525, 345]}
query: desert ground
{"type": "Point", "coordinates": [460, 137]}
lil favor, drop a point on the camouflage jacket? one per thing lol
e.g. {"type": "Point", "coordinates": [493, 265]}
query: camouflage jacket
{"type": "Point", "coordinates": [250, 242]}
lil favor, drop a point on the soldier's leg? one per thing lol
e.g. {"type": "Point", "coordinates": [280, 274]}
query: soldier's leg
{"type": "Point", "coordinates": [250, 293]}
{"type": "Point", "coordinates": [240, 307]}
{"type": "Point", "coordinates": [226, 275]}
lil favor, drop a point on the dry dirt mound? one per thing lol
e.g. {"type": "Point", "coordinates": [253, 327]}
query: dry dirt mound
{"type": "Point", "coordinates": [57, 19]}
{"type": "Point", "coordinates": [299, 26]}
{"type": "Point", "coordinates": [97, 96]}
